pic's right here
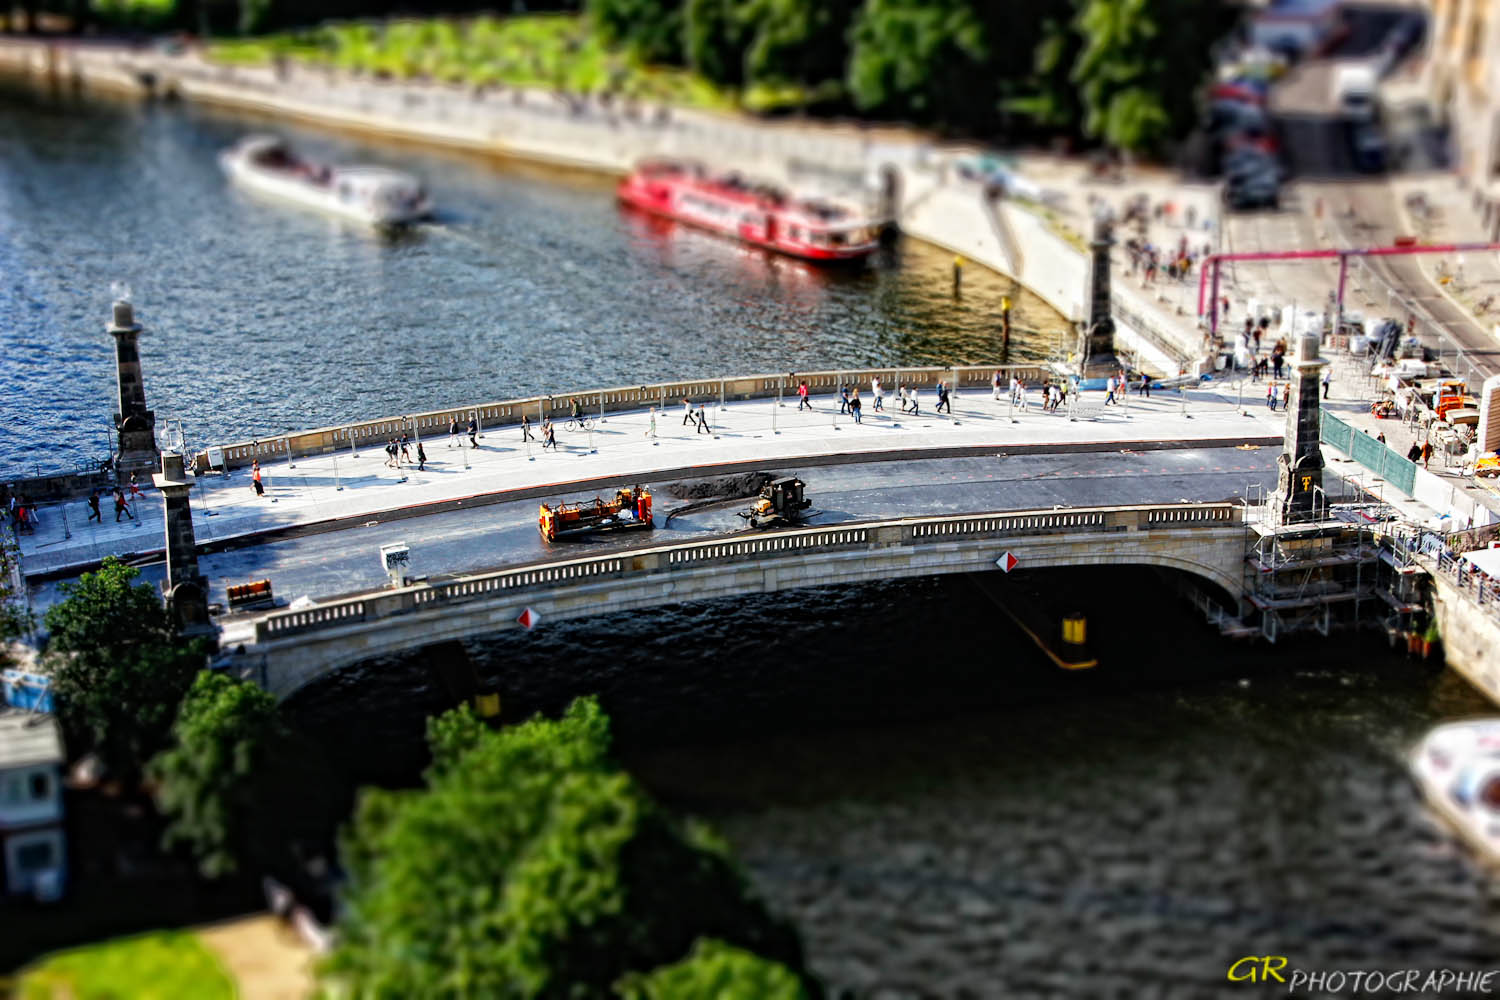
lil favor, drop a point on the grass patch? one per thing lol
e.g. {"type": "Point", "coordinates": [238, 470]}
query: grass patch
{"type": "Point", "coordinates": [560, 52]}
{"type": "Point", "coordinates": [164, 965]}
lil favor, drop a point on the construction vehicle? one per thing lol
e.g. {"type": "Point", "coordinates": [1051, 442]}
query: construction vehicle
{"type": "Point", "coordinates": [628, 510]}
{"type": "Point", "coordinates": [780, 504]}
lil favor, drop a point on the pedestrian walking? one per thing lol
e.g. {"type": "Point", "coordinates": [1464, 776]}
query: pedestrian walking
{"type": "Point", "coordinates": [1414, 452]}
{"type": "Point", "coordinates": [913, 400]}
{"type": "Point", "coordinates": [1271, 395]}
{"type": "Point", "coordinates": [702, 420]}
{"type": "Point", "coordinates": [526, 434]}
{"type": "Point", "coordinates": [421, 458]}
{"type": "Point", "coordinates": [453, 433]}
{"type": "Point", "coordinates": [942, 394]}
{"type": "Point", "coordinates": [1380, 437]}
{"type": "Point", "coordinates": [94, 514]}
{"type": "Point", "coordinates": [135, 491]}
{"type": "Point", "coordinates": [1327, 381]}
{"type": "Point", "coordinates": [687, 411]}
{"type": "Point", "coordinates": [650, 431]}
{"type": "Point", "coordinates": [1426, 453]}
{"type": "Point", "coordinates": [390, 453]}
{"type": "Point", "coordinates": [473, 433]}
{"type": "Point", "coordinates": [875, 391]}
{"type": "Point", "coordinates": [260, 487]}
{"type": "Point", "coordinates": [855, 406]}
{"type": "Point", "coordinates": [995, 381]}
{"type": "Point", "coordinates": [843, 399]}
{"type": "Point", "coordinates": [802, 396]}
{"type": "Point", "coordinates": [549, 437]}
{"type": "Point", "coordinates": [121, 507]}
{"type": "Point", "coordinates": [405, 450]}
{"type": "Point", "coordinates": [1109, 391]}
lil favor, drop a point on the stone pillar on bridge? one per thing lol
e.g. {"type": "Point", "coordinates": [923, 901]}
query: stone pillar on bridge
{"type": "Point", "coordinates": [1099, 350]}
{"type": "Point", "coordinates": [135, 424]}
{"type": "Point", "coordinates": [1300, 467]}
{"type": "Point", "coordinates": [186, 590]}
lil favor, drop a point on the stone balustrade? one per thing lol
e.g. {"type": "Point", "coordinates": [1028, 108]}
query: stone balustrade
{"type": "Point", "coordinates": [727, 552]}
{"type": "Point", "coordinates": [503, 413]}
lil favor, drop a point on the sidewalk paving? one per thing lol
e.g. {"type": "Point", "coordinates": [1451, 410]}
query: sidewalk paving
{"type": "Point", "coordinates": [1472, 280]}
{"type": "Point", "coordinates": [329, 487]}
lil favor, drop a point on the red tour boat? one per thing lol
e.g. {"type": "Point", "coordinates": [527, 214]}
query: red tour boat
{"type": "Point", "coordinates": [756, 213]}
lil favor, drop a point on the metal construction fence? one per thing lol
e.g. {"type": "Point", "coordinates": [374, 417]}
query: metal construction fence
{"type": "Point", "coordinates": [1394, 468]}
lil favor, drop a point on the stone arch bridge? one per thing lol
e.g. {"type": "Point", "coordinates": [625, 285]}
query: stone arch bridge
{"type": "Point", "coordinates": [287, 649]}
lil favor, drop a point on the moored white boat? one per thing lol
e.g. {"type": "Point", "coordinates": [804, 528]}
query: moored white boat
{"type": "Point", "coordinates": [373, 195]}
{"type": "Point", "coordinates": [1457, 766]}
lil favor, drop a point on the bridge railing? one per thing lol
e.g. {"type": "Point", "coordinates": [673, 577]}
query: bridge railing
{"type": "Point", "coordinates": [865, 536]}
{"type": "Point", "coordinates": [501, 413]}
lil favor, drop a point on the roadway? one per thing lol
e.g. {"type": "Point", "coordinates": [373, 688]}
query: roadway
{"type": "Point", "coordinates": [504, 534]}
{"type": "Point", "coordinates": [1330, 205]}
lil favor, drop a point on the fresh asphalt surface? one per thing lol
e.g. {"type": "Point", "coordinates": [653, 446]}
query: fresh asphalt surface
{"type": "Point", "coordinates": [502, 534]}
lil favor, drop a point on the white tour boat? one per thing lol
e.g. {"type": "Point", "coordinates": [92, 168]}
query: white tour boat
{"type": "Point", "coordinates": [1458, 767]}
{"type": "Point", "coordinates": [373, 195]}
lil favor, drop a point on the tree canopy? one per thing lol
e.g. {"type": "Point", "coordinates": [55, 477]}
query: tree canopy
{"type": "Point", "coordinates": [118, 670]}
{"type": "Point", "coordinates": [715, 969]}
{"type": "Point", "coordinates": [237, 787]}
{"type": "Point", "coordinates": [531, 866]}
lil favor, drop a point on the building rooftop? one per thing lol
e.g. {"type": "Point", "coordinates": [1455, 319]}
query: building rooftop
{"type": "Point", "coordinates": [28, 738]}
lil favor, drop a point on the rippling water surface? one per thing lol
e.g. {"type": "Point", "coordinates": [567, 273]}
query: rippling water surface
{"type": "Point", "coordinates": [263, 317]}
{"type": "Point", "coordinates": [944, 814]}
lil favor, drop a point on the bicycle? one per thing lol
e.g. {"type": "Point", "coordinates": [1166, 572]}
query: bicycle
{"type": "Point", "coordinates": [579, 424]}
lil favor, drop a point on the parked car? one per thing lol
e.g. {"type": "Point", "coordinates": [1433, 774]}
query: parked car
{"type": "Point", "coordinates": [1253, 181]}
{"type": "Point", "coordinates": [1367, 148]}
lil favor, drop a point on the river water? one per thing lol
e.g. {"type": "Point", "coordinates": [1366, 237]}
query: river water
{"type": "Point", "coordinates": [939, 811]}
{"type": "Point", "coordinates": [263, 317]}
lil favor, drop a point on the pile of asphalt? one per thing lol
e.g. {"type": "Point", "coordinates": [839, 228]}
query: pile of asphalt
{"type": "Point", "coordinates": [745, 484]}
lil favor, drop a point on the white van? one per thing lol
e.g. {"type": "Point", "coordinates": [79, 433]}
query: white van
{"type": "Point", "coordinates": [1354, 90]}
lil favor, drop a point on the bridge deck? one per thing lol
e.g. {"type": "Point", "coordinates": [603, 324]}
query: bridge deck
{"type": "Point", "coordinates": [340, 490]}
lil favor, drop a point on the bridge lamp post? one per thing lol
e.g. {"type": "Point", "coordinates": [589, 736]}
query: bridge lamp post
{"type": "Point", "coordinates": [287, 441]}
{"type": "Point", "coordinates": [353, 445]}
{"type": "Point", "coordinates": [780, 385]}
{"type": "Point", "coordinates": [338, 484]}
{"type": "Point", "coordinates": [601, 407]}
{"type": "Point", "coordinates": [838, 391]}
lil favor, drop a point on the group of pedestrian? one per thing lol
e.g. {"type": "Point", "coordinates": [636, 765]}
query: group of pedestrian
{"type": "Point", "coordinates": [697, 416]}
{"type": "Point", "coordinates": [549, 434]}
{"type": "Point", "coordinates": [22, 516]}
{"type": "Point", "coordinates": [908, 396]}
{"type": "Point", "coordinates": [1278, 395]}
{"type": "Point", "coordinates": [455, 429]}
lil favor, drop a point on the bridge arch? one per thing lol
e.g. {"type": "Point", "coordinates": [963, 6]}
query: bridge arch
{"type": "Point", "coordinates": [290, 649]}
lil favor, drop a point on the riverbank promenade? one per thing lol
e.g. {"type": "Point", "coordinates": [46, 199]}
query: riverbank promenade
{"type": "Point", "coordinates": [338, 490]}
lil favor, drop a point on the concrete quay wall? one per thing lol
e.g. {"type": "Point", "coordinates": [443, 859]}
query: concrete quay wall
{"type": "Point", "coordinates": [1469, 633]}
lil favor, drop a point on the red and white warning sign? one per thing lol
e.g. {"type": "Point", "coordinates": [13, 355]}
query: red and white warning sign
{"type": "Point", "coordinates": [1007, 561]}
{"type": "Point", "coordinates": [529, 619]}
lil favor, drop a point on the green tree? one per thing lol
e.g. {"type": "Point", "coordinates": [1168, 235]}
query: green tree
{"type": "Point", "coordinates": [715, 969]}
{"type": "Point", "coordinates": [213, 779]}
{"type": "Point", "coordinates": [715, 37]}
{"type": "Point", "coordinates": [531, 866]}
{"type": "Point", "coordinates": [1141, 62]}
{"type": "Point", "coordinates": [798, 41]}
{"type": "Point", "coordinates": [118, 670]}
{"type": "Point", "coordinates": [15, 618]}
{"type": "Point", "coordinates": [652, 27]}
{"type": "Point", "coordinates": [924, 60]}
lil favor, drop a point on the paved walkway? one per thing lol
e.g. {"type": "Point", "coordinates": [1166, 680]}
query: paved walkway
{"type": "Point", "coordinates": [331, 487]}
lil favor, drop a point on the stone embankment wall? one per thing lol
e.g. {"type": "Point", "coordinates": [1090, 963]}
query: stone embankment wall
{"type": "Point", "coordinates": [1469, 633]}
{"type": "Point", "coordinates": [895, 173]}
